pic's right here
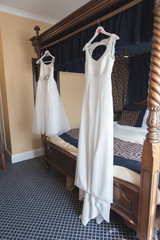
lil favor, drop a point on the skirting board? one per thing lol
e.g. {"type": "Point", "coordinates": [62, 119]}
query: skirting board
{"type": "Point", "coordinates": [23, 156]}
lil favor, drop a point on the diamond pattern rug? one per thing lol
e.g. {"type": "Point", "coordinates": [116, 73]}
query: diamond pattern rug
{"type": "Point", "coordinates": [36, 205]}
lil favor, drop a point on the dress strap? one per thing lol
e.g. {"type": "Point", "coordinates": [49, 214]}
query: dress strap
{"type": "Point", "coordinates": [112, 43]}
{"type": "Point", "coordinates": [113, 39]}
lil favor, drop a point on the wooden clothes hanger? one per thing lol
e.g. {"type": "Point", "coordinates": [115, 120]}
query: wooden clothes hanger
{"type": "Point", "coordinates": [46, 54]}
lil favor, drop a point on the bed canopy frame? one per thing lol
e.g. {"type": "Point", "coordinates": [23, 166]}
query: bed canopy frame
{"type": "Point", "coordinates": [137, 205]}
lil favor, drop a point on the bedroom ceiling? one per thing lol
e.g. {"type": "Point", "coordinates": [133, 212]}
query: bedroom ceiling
{"type": "Point", "coordinates": [49, 10]}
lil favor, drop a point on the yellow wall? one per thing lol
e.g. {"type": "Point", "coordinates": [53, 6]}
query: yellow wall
{"type": "Point", "coordinates": [3, 93]}
{"type": "Point", "coordinates": [71, 91]}
{"type": "Point", "coordinates": [16, 81]}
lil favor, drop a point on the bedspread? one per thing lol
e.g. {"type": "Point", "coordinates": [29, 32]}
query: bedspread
{"type": "Point", "coordinates": [127, 154]}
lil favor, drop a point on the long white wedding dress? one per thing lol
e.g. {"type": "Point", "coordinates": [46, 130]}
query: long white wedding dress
{"type": "Point", "coordinates": [94, 171]}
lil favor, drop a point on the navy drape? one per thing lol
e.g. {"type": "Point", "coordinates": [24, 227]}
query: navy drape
{"type": "Point", "coordinates": [138, 80]}
{"type": "Point", "coordinates": [133, 26]}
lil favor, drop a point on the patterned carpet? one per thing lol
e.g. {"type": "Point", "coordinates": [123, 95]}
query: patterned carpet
{"type": "Point", "coordinates": [36, 205]}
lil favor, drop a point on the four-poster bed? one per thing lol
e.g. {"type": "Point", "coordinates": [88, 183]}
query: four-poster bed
{"type": "Point", "coordinates": [136, 204]}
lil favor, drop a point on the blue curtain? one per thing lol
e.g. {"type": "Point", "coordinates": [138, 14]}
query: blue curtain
{"type": "Point", "coordinates": [138, 80]}
{"type": "Point", "coordinates": [133, 26]}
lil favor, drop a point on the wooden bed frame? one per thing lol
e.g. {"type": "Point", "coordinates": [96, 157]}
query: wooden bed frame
{"type": "Point", "coordinates": [137, 205]}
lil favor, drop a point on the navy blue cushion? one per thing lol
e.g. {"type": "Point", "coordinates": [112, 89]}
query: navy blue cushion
{"type": "Point", "coordinates": [66, 137]}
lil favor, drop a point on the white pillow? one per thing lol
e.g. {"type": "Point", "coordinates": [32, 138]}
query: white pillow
{"type": "Point", "coordinates": [144, 125]}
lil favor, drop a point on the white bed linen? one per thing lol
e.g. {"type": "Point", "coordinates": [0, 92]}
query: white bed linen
{"type": "Point", "coordinates": [131, 134]}
{"type": "Point", "coordinates": [127, 133]}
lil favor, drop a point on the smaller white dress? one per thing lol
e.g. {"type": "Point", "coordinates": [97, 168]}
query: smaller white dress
{"type": "Point", "coordinates": [49, 115]}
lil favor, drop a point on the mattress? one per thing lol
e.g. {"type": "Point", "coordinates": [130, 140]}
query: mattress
{"type": "Point", "coordinates": [128, 146]}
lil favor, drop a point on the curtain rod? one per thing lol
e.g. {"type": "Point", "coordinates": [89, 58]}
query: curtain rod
{"type": "Point", "coordinates": [119, 10]}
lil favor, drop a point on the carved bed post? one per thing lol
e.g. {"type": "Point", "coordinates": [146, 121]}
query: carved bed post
{"type": "Point", "coordinates": [35, 41]}
{"type": "Point", "coordinates": [151, 150]}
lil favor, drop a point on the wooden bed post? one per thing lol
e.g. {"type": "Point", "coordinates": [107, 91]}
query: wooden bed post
{"type": "Point", "coordinates": [151, 151]}
{"type": "Point", "coordinates": [35, 41]}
